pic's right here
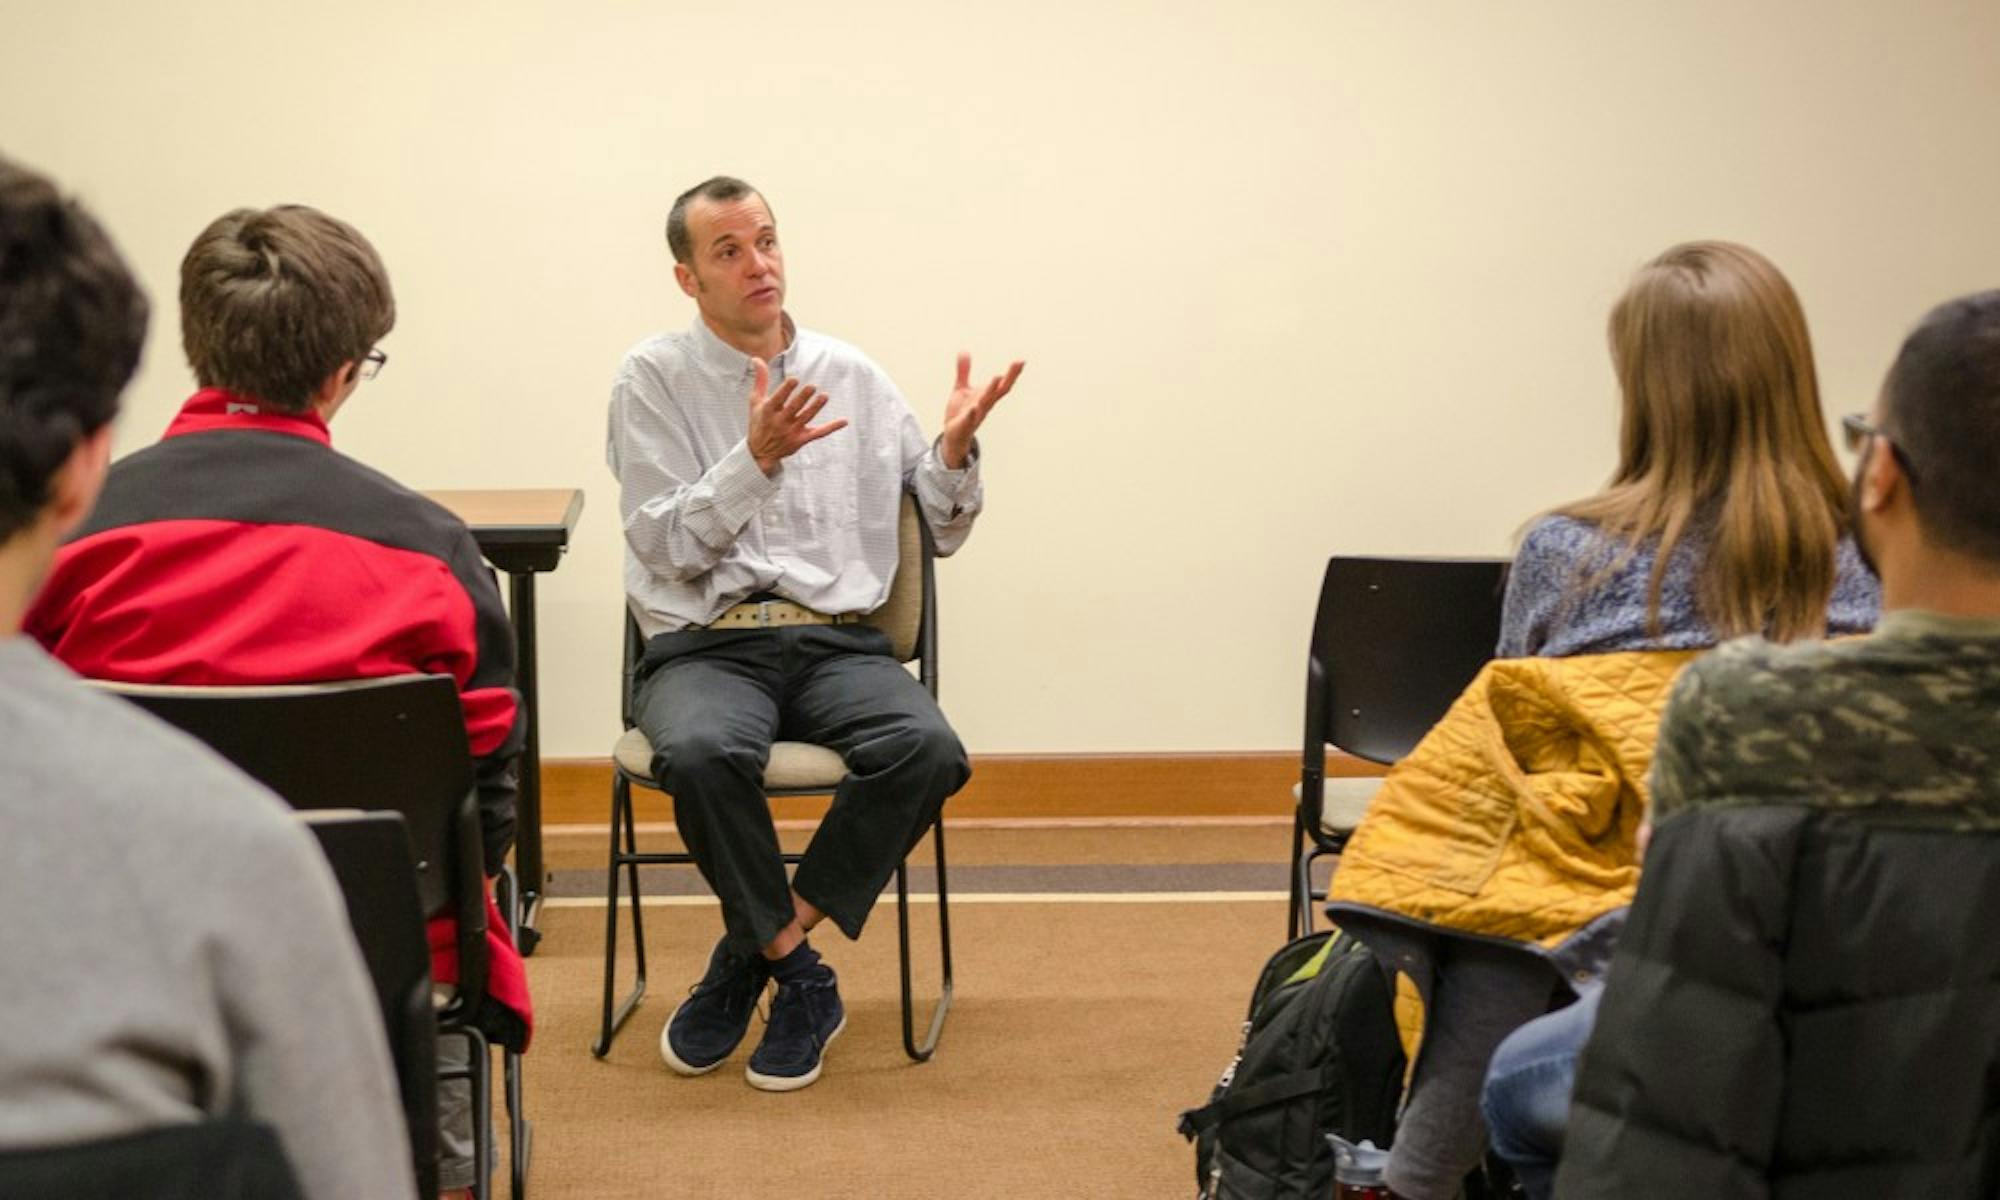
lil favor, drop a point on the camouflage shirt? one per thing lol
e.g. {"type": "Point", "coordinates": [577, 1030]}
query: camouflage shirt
{"type": "Point", "coordinates": [1901, 728]}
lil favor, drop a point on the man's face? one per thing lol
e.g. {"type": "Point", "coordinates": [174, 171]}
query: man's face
{"type": "Point", "coordinates": [737, 277]}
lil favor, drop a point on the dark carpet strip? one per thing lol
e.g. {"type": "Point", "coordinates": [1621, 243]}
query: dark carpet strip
{"type": "Point", "coordinates": [1105, 878]}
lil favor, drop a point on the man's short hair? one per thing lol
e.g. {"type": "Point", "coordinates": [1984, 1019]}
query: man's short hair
{"type": "Point", "coordinates": [274, 301]}
{"type": "Point", "coordinates": [1942, 407]}
{"type": "Point", "coordinates": [720, 190]}
{"type": "Point", "coordinates": [72, 321]}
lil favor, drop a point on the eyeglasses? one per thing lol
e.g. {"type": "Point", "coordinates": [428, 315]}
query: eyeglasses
{"type": "Point", "coordinates": [372, 364]}
{"type": "Point", "coordinates": [1856, 430]}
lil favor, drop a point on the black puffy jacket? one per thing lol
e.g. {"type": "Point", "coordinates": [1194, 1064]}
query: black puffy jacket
{"type": "Point", "coordinates": [1806, 999]}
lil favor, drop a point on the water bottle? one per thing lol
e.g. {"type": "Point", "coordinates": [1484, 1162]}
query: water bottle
{"type": "Point", "coordinates": [1357, 1170]}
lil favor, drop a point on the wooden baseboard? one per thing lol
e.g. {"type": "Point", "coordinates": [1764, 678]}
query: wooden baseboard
{"type": "Point", "coordinates": [578, 791]}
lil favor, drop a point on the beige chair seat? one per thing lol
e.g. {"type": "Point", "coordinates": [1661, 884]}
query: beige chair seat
{"type": "Point", "coordinates": [792, 765]}
{"type": "Point", "coordinates": [1345, 801]}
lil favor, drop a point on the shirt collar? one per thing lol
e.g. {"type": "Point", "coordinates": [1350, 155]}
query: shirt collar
{"type": "Point", "coordinates": [214, 408]}
{"type": "Point", "coordinates": [729, 362]}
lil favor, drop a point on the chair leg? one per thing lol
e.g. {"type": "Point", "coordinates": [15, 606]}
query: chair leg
{"type": "Point", "coordinates": [632, 886]}
{"type": "Point", "coordinates": [482, 1115]}
{"type": "Point", "coordinates": [1300, 921]}
{"type": "Point", "coordinates": [922, 1052]}
{"type": "Point", "coordinates": [478, 1074]}
{"type": "Point", "coordinates": [623, 827]}
{"type": "Point", "coordinates": [1307, 894]}
{"type": "Point", "coordinates": [520, 1131]}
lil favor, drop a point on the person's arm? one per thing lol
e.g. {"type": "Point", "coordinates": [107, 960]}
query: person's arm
{"type": "Point", "coordinates": [944, 475]}
{"type": "Point", "coordinates": [304, 1024]}
{"type": "Point", "coordinates": [950, 500]}
{"type": "Point", "coordinates": [680, 517]}
{"type": "Point", "coordinates": [496, 722]}
{"type": "Point", "coordinates": [1678, 1093]}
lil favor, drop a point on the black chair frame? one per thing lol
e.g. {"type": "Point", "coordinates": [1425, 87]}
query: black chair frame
{"type": "Point", "coordinates": [1394, 642]}
{"type": "Point", "coordinates": [373, 860]}
{"type": "Point", "coordinates": [221, 1158]}
{"type": "Point", "coordinates": [629, 859]}
{"type": "Point", "coordinates": [396, 744]}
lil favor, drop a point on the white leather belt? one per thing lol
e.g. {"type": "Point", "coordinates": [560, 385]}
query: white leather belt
{"type": "Point", "coordinates": [772, 614]}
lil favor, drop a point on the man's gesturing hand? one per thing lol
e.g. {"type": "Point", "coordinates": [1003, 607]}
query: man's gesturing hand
{"type": "Point", "coordinates": [966, 409]}
{"type": "Point", "coordinates": [781, 422]}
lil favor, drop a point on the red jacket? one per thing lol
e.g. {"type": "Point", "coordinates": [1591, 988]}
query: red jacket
{"type": "Point", "coordinates": [243, 549]}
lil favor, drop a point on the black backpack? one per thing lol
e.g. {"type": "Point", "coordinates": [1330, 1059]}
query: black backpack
{"type": "Point", "coordinates": [1320, 1055]}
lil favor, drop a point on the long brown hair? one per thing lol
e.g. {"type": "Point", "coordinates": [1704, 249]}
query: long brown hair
{"type": "Point", "coordinates": [1722, 432]}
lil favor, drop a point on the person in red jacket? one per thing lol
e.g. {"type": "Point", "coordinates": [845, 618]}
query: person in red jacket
{"type": "Point", "coordinates": [243, 549]}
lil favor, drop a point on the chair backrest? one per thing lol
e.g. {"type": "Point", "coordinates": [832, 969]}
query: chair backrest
{"type": "Point", "coordinates": [908, 616]}
{"type": "Point", "coordinates": [219, 1159]}
{"type": "Point", "coordinates": [910, 595]}
{"type": "Point", "coordinates": [396, 743]}
{"type": "Point", "coordinates": [1394, 643]}
{"type": "Point", "coordinates": [370, 856]}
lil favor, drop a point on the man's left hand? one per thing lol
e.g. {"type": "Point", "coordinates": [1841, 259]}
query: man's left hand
{"type": "Point", "coordinates": [967, 409]}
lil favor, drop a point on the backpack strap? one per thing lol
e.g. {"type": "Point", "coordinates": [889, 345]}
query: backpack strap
{"type": "Point", "coordinates": [1240, 1100]}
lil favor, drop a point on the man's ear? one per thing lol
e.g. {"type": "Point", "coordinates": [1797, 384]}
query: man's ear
{"type": "Point", "coordinates": [73, 491]}
{"type": "Point", "coordinates": [1882, 479]}
{"type": "Point", "coordinates": [335, 389]}
{"type": "Point", "coordinates": [685, 276]}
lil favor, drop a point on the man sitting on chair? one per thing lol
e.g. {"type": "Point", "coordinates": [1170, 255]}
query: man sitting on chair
{"type": "Point", "coordinates": [243, 549]}
{"type": "Point", "coordinates": [755, 539]}
{"type": "Point", "coordinates": [178, 954]}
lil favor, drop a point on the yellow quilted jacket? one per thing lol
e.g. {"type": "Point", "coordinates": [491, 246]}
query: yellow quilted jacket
{"type": "Point", "coordinates": [1516, 816]}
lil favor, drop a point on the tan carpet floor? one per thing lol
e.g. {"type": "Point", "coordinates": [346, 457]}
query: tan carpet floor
{"type": "Point", "coordinates": [1079, 1032]}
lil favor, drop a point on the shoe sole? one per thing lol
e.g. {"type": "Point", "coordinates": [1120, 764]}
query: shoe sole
{"type": "Point", "coordinates": [792, 1083]}
{"type": "Point", "coordinates": [674, 1060]}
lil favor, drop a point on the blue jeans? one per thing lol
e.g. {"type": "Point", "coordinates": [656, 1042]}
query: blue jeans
{"type": "Point", "coordinates": [1528, 1086]}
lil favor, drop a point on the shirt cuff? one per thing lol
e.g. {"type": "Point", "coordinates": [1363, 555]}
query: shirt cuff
{"type": "Point", "coordinates": [741, 487]}
{"type": "Point", "coordinates": [960, 485]}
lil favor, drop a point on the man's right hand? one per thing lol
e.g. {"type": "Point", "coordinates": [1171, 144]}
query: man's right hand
{"type": "Point", "coordinates": [781, 421]}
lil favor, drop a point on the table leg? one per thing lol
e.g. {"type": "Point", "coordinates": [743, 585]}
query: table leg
{"type": "Point", "coordinates": [528, 813]}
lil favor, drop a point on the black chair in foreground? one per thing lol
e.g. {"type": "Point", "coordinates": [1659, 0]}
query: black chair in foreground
{"type": "Point", "coordinates": [371, 857]}
{"type": "Point", "coordinates": [220, 1159]}
{"type": "Point", "coordinates": [396, 744]}
{"type": "Point", "coordinates": [909, 617]}
{"type": "Point", "coordinates": [1394, 642]}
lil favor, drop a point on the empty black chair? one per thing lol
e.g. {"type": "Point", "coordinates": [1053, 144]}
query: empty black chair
{"type": "Point", "coordinates": [396, 744]}
{"type": "Point", "coordinates": [371, 857]}
{"type": "Point", "coordinates": [1394, 642]}
{"type": "Point", "coordinates": [909, 617]}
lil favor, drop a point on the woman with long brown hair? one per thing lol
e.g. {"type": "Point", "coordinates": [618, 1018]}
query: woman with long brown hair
{"type": "Point", "coordinates": [1726, 516]}
{"type": "Point", "coordinates": [1727, 512]}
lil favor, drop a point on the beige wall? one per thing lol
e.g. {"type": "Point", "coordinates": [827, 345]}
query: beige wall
{"type": "Point", "coordinates": [1292, 277]}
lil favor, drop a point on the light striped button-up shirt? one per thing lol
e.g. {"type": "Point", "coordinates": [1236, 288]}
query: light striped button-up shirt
{"type": "Point", "coordinates": [705, 527]}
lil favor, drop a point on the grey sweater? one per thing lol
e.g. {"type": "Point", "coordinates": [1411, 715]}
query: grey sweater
{"type": "Point", "coordinates": [174, 947]}
{"type": "Point", "coordinates": [1546, 614]}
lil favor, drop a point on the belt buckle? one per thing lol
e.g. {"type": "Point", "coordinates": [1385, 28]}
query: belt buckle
{"type": "Point", "coordinates": [764, 613]}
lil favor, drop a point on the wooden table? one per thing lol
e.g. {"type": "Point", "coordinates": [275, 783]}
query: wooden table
{"type": "Point", "coordinates": [522, 532]}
